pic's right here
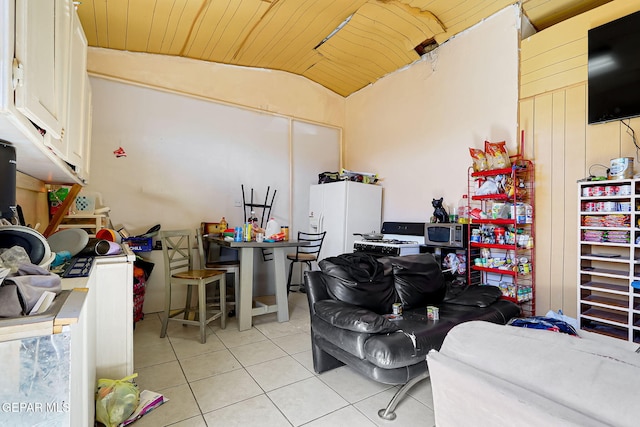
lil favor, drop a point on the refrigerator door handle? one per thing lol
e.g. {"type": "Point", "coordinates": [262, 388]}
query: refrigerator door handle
{"type": "Point", "coordinates": [321, 223]}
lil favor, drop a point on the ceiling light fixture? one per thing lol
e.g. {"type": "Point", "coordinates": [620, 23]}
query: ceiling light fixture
{"type": "Point", "coordinates": [333, 33]}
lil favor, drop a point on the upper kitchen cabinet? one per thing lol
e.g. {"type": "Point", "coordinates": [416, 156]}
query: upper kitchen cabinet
{"type": "Point", "coordinates": [78, 110]}
{"type": "Point", "coordinates": [43, 89]}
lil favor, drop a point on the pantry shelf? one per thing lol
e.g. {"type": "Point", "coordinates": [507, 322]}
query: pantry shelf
{"type": "Point", "coordinates": [609, 259]}
{"type": "Point", "coordinates": [502, 231]}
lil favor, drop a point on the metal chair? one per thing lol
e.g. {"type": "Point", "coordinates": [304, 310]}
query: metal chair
{"type": "Point", "coordinates": [177, 247]}
{"type": "Point", "coordinates": [231, 266]}
{"type": "Point", "coordinates": [306, 254]}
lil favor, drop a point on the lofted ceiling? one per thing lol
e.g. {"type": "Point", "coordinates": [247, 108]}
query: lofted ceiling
{"type": "Point", "coordinates": [375, 37]}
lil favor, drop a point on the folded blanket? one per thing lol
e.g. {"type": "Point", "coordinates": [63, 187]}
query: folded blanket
{"type": "Point", "coordinates": [21, 290]}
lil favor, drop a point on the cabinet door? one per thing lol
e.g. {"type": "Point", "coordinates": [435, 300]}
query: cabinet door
{"type": "Point", "coordinates": [83, 364]}
{"type": "Point", "coordinates": [77, 101]}
{"type": "Point", "coordinates": [40, 47]}
{"type": "Point", "coordinates": [114, 318]}
{"type": "Point", "coordinates": [83, 171]}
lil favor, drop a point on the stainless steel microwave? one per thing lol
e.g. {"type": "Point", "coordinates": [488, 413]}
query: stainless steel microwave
{"type": "Point", "coordinates": [446, 235]}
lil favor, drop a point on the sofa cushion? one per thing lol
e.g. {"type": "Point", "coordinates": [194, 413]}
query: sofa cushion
{"type": "Point", "coordinates": [353, 318]}
{"type": "Point", "coordinates": [359, 279]}
{"type": "Point", "coordinates": [474, 296]}
{"type": "Point", "coordinates": [418, 279]}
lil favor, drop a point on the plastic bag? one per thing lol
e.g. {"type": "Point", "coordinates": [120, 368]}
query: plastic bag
{"type": "Point", "coordinates": [546, 323]}
{"type": "Point", "coordinates": [479, 160]}
{"type": "Point", "coordinates": [116, 400]}
{"type": "Point", "coordinates": [561, 316]}
{"type": "Point", "coordinates": [14, 257]}
{"type": "Point", "coordinates": [490, 186]}
{"type": "Point", "coordinates": [497, 156]}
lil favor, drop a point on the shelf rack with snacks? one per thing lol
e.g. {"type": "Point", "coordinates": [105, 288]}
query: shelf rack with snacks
{"type": "Point", "coordinates": [609, 258]}
{"type": "Point", "coordinates": [502, 231]}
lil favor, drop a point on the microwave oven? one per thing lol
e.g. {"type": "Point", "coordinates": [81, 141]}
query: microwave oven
{"type": "Point", "coordinates": [446, 235]}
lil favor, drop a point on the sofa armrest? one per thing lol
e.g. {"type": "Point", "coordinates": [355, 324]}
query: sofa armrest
{"type": "Point", "coordinates": [316, 288]}
{"type": "Point", "coordinates": [578, 373]}
{"type": "Point", "coordinates": [353, 318]}
{"type": "Point", "coordinates": [495, 402]}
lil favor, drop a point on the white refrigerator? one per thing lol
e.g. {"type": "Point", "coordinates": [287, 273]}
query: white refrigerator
{"type": "Point", "coordinates": [341, 209]}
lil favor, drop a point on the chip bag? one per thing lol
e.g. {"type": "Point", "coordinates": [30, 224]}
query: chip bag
{"type": "Point", "coordinates": [116, 400]}
{"type": "Point", "coordinates": [497, 156]}
{"type": "Point", "coordinates": [479, 160]}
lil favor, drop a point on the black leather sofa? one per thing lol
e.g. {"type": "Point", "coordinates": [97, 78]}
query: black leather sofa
{"type": "Point", "coordinates": [350, 300]}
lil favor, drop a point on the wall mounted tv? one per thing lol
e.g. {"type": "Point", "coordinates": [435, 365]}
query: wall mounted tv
{"type": "Point", "coordinates": [614, 70]}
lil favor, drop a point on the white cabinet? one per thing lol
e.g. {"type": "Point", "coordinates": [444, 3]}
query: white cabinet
{"type": "Point", "coordinates": [42, 88]}
{"type": "Point", "coordinates": [39, 57]}
{"type": "Point", "coordinates": [113, 287]}
{"type": "Point", "coordinates": [109, 314]}
{"type": "Point", "coordinates": [83, 365]}
{"type": "Point", "coordinates": [77, 134]}
{"type": "Point", "coordinates": [609, 258]}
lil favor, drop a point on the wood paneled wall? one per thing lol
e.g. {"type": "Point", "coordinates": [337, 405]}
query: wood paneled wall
{"type": "Point", "coordinates": [31, 195]}
{"type": "Point", "coordinates": [553, 114]}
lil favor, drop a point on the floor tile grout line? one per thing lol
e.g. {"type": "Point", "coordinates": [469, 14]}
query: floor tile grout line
{"type": "Point", "coordinates": [187, 380]}
{"type": "Point", "coordinates": [297, 330]}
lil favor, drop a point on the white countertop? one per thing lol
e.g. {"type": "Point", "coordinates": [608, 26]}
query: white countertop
{"type": "Point", "coordinates": [81, 282]}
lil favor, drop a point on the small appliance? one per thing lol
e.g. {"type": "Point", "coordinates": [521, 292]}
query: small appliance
{"type": "Point", "coordinates": [399, 239]}
{"type": "Point", "coordinates": [7, 180]}
{"type": "Point", "coordinates": [449, 235]}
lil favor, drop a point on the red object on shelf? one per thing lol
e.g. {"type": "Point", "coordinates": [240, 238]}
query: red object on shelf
{"type": "Point", "coordinates": [494, 270]}
{"type": "Point", "coordinates": [493, 172]}
{"type": "Point", "coordinates": [493, 221]}
{"type": "Point", "coordinates": [494, 246]}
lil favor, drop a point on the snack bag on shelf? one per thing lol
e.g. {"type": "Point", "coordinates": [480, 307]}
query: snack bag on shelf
{"type": "Point", "coordinates": [497, 156]}
{"type": "Point", "coordinates": [479, 160]}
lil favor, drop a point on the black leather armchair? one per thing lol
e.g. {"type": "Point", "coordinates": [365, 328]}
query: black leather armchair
{"type": "Point", "coordinates": [391, 351]}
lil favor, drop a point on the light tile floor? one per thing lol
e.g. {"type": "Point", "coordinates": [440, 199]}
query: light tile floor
{"type": "Point", "coordinates": [260, 377]}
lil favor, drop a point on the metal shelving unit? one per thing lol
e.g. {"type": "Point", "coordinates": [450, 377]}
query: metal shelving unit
{"type": "Point", "coordinates": [502, 232]}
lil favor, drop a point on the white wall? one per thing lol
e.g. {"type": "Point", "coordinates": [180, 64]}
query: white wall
{"type": "Point", "coordinates": [188, 158]}
{"type": "Point", "coordinates": [415, 126]}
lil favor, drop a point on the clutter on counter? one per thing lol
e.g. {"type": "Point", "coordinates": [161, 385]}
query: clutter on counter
{"type": "Point", "coordinates": [347, 175]}
{"type": "Point", "coordinates": [23, 287]}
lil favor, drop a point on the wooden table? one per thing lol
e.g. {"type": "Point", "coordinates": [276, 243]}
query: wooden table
{"type": "Point", "coordinates": [244, 302]}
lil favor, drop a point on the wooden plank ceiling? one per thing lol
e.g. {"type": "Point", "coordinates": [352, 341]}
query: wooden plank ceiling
{"type": "Point", "coordinates": [376, 37]}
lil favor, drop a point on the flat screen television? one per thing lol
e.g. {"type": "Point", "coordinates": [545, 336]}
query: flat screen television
{"type": "Point", "coordinates": [614, 70]}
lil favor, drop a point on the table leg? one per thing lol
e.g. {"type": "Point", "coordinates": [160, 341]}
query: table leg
{"type": "Point", "coordinates": [281, 284]}
{"type": "Point", "coordinates": [245, 303]}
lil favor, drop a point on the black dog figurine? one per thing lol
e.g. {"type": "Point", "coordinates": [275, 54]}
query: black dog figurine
{"type": "Point", "coordinates": [439, 213]}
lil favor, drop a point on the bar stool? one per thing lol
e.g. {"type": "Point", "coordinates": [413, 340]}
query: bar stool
{"type": "Point", "coordinates": [178, 268]}
{"type": "Point", "coordinates": [230, 266]}
{"type": "Point", "coordinates": [306, 254]}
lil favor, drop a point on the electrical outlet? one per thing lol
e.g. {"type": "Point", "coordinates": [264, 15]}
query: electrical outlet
{"type": "Point", "coordinates": [237, 203]}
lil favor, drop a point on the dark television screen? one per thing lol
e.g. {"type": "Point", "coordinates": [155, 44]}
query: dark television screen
{"type": "Point", "coordinates": [614, 70]}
